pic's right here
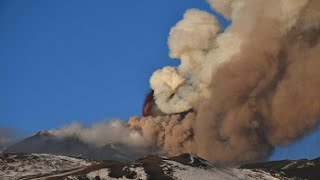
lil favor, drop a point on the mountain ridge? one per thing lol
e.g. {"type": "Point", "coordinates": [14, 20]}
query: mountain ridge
{"type": "Point", "coordinates": [186, 166]}
{"type": "Point", "coordinates": [120, 161]}
{"type": "Point", "coordinates": [47, 142]}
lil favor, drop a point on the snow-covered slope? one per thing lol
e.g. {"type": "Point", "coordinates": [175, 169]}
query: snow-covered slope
{"type": "Point", "coordinates": [304, 169]}
{"type": "Point", "coordinates": [184, 167]}
{"type": "Point", "coordinates": [14, 166]}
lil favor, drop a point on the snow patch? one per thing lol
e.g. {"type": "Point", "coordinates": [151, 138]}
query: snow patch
{"type": "Point", "coordinates": [141, 174]}
{"type": "Point", "coordinates": [258, 174]}
{"type": "Point", "coordinates": [102, 173]}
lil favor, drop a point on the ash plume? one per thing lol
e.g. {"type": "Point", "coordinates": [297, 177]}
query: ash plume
{"type": "Point", "coordinates": [252, 86]}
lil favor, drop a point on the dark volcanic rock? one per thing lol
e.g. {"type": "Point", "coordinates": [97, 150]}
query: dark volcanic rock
{"type": "Point", "coordinates": [152, 167]}
{"type": "Point", "coordinates": [192, 160]}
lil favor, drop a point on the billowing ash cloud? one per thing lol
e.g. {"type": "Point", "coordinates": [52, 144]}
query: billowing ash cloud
{"type": "Point", "coordinates": [252, 86]}
{"type": "Point", "coordinates": [6, 137]}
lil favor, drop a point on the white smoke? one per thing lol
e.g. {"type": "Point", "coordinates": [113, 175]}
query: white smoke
{"type": "Point", "coordinates": [100, 134]}
{"type": "Point", "coordinates": [177, 89]}
{"type": "Point", "coordinates": [196, 41]}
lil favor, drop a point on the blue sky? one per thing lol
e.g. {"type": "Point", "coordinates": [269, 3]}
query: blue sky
{"type": "Point", "coordinates": [86, 61]}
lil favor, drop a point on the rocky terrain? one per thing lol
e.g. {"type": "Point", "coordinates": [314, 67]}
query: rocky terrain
{"type": "Point", "coordinates": [26, 166]}
{"type": "Point", "coordinates": [45, 156]}
{"type": "Point", "coordinates": [186, 166]}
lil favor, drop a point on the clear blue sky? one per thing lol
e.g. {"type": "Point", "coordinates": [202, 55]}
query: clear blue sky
{"type": "Point", "coordinates": [86, 61]}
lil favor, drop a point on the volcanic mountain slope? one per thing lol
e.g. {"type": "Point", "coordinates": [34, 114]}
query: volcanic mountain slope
{"type": "Point", "coordinates": [25, 166]}
{"type": "Point", "coordinates": [186, 166]}
{"type": "Point", "coordinates": [46, 142]}
{"type": "Point", "coordinates": [112, 161]}
{"type": "Point", "coordinates": [305, 169]}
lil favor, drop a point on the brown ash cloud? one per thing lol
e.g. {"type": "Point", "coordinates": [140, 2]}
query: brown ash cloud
{"type": "Point", "coordinates": [253, 86]}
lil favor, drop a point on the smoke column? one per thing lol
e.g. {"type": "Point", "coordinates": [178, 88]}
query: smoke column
{"type": "Point", "coordinates": [252, 86]}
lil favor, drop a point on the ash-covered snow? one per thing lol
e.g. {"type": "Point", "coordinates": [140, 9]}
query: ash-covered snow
{"type": "Point", "coordinates": [258, 174]}
{"type": "Point", "coordinates": [179, 171]}
{"type": "Point", "coordinates": [15, 166]}
{"type": "Point", "coordinates": [103, 174]}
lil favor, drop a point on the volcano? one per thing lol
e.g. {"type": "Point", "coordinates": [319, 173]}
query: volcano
{"type": "Point", "coordinates": [46, 142]}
